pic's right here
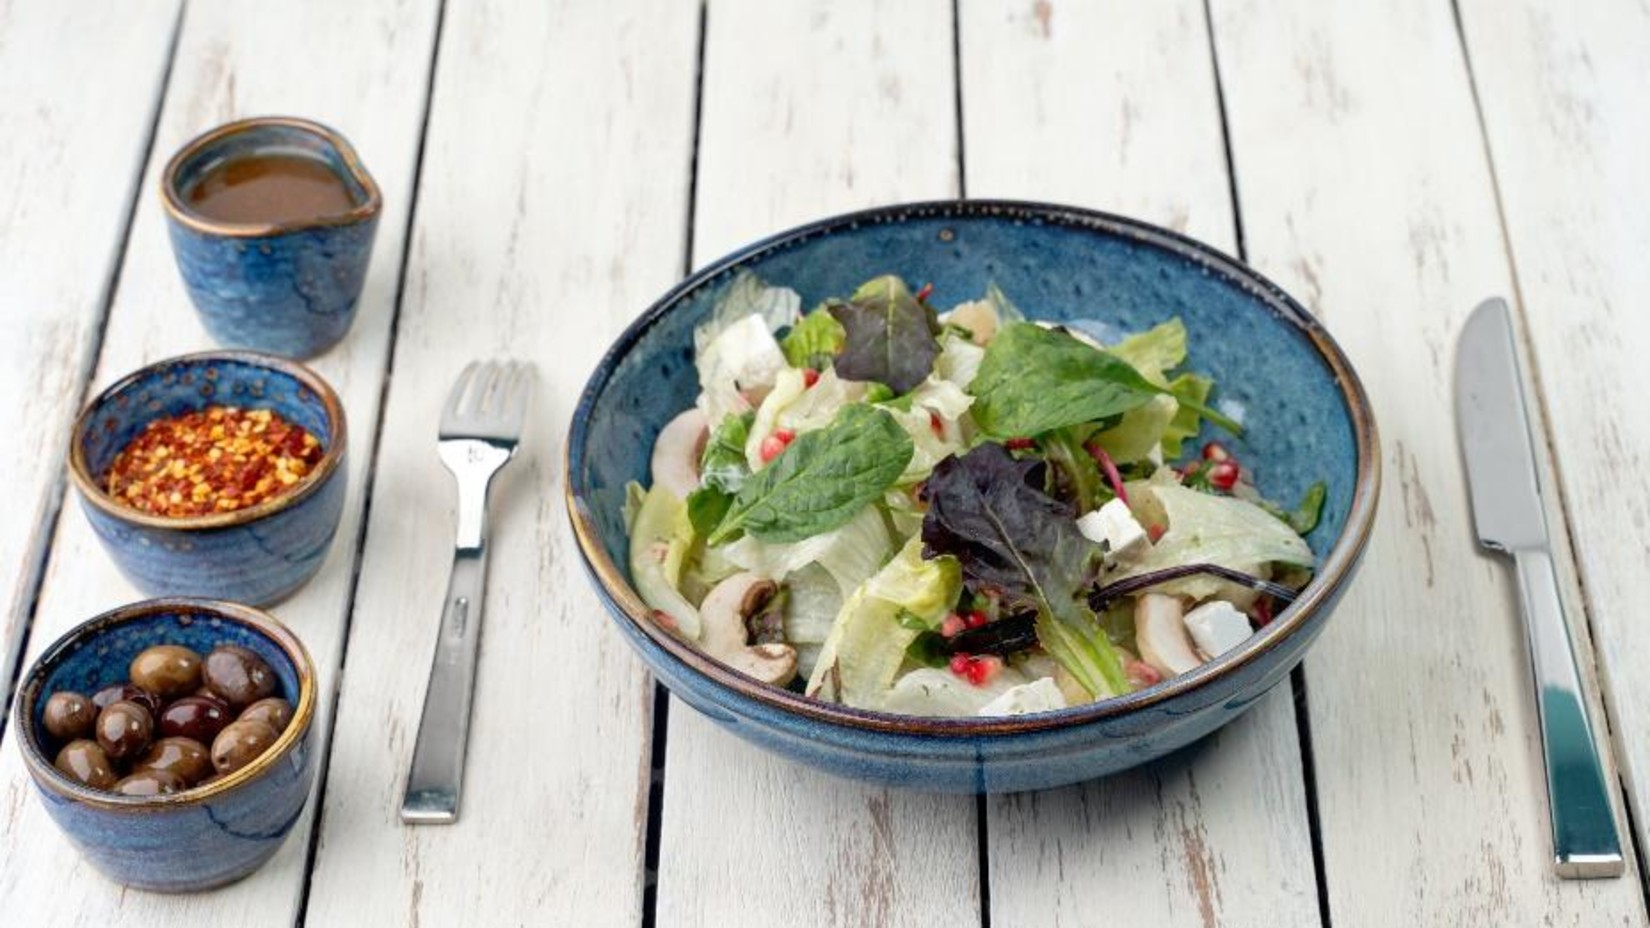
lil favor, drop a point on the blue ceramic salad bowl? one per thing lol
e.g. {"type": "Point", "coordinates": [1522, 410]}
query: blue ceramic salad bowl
{"type": "Point", "coordinates": [199, 838]}
{"type": "Point", "coordinates": [288, 287]}
{"type": "Point", "coordinates": [258, 555]}
{"type": "Point", "coordinates": [1306, 416]}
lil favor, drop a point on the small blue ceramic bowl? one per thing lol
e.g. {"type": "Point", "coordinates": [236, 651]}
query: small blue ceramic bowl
{"type": "Point", "coordinates": [258, 555]}
{"type": "Point", "coordinates": [203, 837]}
{"type": "Point", "coordinates": [291, 287]}
{"type": "Point", "coordinates": [1307, 418]}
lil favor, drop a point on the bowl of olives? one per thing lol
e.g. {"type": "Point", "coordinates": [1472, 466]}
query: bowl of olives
{"type": "Point", "coordinates": [170, 739]}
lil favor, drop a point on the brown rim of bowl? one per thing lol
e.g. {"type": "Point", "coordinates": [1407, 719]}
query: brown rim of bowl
{"type": "Point", "coordinates": [47, 774]}
{"type": "Point", "coordinates": [1335, 566]}
{"type": "Point", "coordinates": [94, 493]}
{"type": "Point", "coordinates": [172, 198]}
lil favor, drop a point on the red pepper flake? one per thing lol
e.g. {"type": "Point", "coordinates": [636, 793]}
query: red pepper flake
{"type": "Point", "coordinates": [1142, 674]}
{"type": "Point", "coordinates": [809, 377]}
{"type": "Point", "coordinates": [936, 424]}
{"type": "Point", "coordinates": [216, 459]}
{"type": "Point", "coordinates": [1155, 531]}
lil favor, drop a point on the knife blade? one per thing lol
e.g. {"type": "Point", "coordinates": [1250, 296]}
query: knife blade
{"type": "Point", "coordinates": [1498, 450]}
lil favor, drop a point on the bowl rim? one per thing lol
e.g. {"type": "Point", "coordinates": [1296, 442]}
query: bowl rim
{"type": "Point", "coordinates": [171, 197]}
{"type": "Point", "coordinates": [45, 771]}
{"type": "Point", "coordinates": [331, 457]}
{"type": "Point", "coordinates": [1335, 566]}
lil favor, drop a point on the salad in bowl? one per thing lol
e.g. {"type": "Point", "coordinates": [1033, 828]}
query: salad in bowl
{"type": "Point", "coordinates": [948, 512]}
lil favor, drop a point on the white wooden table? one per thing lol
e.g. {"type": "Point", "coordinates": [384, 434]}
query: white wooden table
{"type": "Point", "coordinates": [549, 167]}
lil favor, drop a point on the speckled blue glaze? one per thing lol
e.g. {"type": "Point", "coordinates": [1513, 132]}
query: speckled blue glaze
{"type": "Point", "coordinates": [257, 555]}
{"type": "Point", "coordinates": [187, 841]}
{"type": "Point", "coordinates": [292, 288]}
{"type": "Point", "coordinates": [1306, 420]}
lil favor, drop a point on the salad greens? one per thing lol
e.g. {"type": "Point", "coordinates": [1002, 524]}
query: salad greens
{"type": "Point", "coordinates": [957, 513]}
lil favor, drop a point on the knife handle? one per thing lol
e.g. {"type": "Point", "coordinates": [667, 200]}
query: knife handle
{"type": "Point", "coordinates": [1585, 842]}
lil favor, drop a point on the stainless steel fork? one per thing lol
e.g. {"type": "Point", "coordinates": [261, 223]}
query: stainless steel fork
{"type": "Point", "coordinates": [480, 428]}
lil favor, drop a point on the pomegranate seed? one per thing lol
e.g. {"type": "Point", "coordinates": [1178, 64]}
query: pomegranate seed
{"type": "Point", "coordinates": [1142, 674]}
{"type": "Point", "coordinates": [952, 626]}
{"type": "Point", "coordinates": [809, 377]}
{"type": "Point", "coordinates": [1190, 469]}
{"type": "Point", "coordinates": [984, 669]}
{"type": "Point", "coordinates": [923, 293]}
{"type": "Point", "coordinates": [785, 435]}
{"type": "Point", "coordinates": [1263, 611]}
{"type": "Point", "coordinates": [1224, 475]}
{"type": "Point", "coordinates": [975, 619]}
{"type": "Point", "coordinates": [1019, 444]}
{"type": "Point", "coordinates": [937, 424]}
{"type": "Point", "coordinates": [1215, 451]}
{"type": "Point", "coordinates": [771, 447]}
{"type": "Point", "coordinates": [959, 664]}
{"type": "Point", "coordinates": [1154, 532]}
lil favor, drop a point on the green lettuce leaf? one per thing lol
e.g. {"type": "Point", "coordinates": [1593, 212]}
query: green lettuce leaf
{"type": "Point", "coordinates": [659, 543]}
{"type": "Point", "coordinates": [1206, 529]}
{"type": "Point", "coordinates": [815, 341]}
{"type": "Point", "coordinates": [867, 643]}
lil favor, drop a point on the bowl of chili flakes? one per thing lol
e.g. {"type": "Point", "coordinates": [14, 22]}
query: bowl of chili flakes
{"type": "Point", "coordinates": [215, 475]}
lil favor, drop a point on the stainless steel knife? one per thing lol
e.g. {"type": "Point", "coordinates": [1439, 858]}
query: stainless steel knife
{"type": "Point", "coordinates": [1498, 448]}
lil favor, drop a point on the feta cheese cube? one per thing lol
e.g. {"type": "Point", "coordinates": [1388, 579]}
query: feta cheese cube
{"type": "Point", "coordinates": [1217, 627]}
{"type": "Point", "coordinates": [1040, 695]}
{"type": "Point", "coordinates": [1117, 527]}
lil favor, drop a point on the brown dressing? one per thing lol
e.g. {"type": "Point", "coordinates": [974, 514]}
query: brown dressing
{"type": "Point", "coordinates": [270, 188]}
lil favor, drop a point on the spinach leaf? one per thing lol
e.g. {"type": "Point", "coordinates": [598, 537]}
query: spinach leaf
{"type": "Point", "coordinates": [706, 508]}
{"type": "Point", "coordinates": [815, 341]}
{"type": "Point", "coordinates": [1034, 380]}
{"type": "Point", "coordinates": [987, 510]}
{"type": "Point", "coordinates": [821, 480]}
{"type": "Point", "coordinates": [1073, 474]}
{"type": "Point", "coordinates": [890, 336]}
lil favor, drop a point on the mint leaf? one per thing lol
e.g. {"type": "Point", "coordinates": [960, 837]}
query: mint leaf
{"type": "Point", "coordinates": [815, 341]}
{"type": "Point", "coordinates": [821, 480]}
{"type": "Point", "coordinates": [986, 509]}
{"type": "Point", "coordinates": [890, 336]}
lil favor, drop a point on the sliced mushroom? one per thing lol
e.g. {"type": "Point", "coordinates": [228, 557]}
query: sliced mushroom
{"type": "Point", "coordinates": [1160, 631]}
{"type": "Point", "coordinates": [676, 453]}
{"type": "Point", "coordinates": [725, 636]}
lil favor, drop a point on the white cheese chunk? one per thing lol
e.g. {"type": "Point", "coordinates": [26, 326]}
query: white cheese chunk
{"type": "Point", "coordinates": [1117, 527]}
{"type": "Point", "coordinates": [1040, 695]}
{"type": "Point", "coordinates": [1217, 627]}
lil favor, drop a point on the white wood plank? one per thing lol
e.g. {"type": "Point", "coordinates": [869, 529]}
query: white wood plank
{"type": "Point", "coordinates": [811, 109]}
{"type": "Point", "coordinates": [1365, 190]}
{"type": "Point", "coordinates": [550, 213]}
{"type": "Point", "coordinates": [76, 123]}
{"type": "Point", "coordinates": [1113, 105]}
{"type": "Point", "coordinates": [364, 69]}
{"type": "Point", "coordinates": [1562, 91]}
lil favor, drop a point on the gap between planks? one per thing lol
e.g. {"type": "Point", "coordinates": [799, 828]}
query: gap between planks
{"type": "Point", "coordinates": [369, 479]}
{"type": "Point", "coordinates": [34, 578]}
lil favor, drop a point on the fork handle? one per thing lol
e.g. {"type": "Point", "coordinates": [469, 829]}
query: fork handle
{"type": "Point", "coordinates": [437, 775]}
